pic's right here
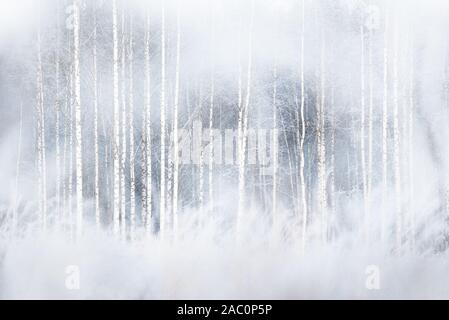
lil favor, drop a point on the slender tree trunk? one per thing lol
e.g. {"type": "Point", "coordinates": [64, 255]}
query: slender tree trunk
{"type": "Point", "coordinates": [78, 128]}
{"type": "Point", "coordinates": [64, 154]}
{"type": "Point", "coordinates": [16, 184]}
{"type": "Point", "coordinates": [384, 130]}
{"type": "Point", "coordinates": [322, 194]}
{"type": "Point", "coordinates": [201, 151]}
{"type": "Point", "coordinates": [363, 127]}
{"type": "Point", "coordinates": [243, 122]}
{"type": "Point", "coordinates": [175, 127]}
{"type": "Point", "coordinates": [274, 144]}
{"type": "Point", "coordinates": [132, 188]}
{"type": "Point", "coordinates": [332, 161]}
{"type": "Point", "coordinates": [57, 116]}
{"type": "Point", "coordinates": [370, 135]}
{"type": "Point", "coordinates": [211, 118]}
{"type": "Point", "coordinates": [116, 151]}
{"type": "Point", "coordinates": [411, 118]}
{"type": "Point", "coordinates": [162, 214]}
{"type": "Point", "coordinates": [70, 182]}
{"type": "Point", "coordinates": [41, 137]}
{"type": "Point", "coordinates": [123, 153]}
{"type": "Point", "coordinates": [147, 132]}
{"type": "Point", "coordinates": [396, 143]}
{"type": "Point", "coordinates": [211, 144]}
{"type": "Point", "coordinates": [96, 165]}
{"type": "Point", "coordinates": [302, 135]}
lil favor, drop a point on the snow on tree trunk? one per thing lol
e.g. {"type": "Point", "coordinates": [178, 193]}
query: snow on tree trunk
{"type": "Point", "coordinates": [123, 151]}
{"type": "Point", "coordinates": [211, 115]}
{"type": "Point", "coordinates": [384, 129]}
{"type": "Point", "coordinates": [396, 143]}
{"type": "Point", "coordinates": [302, 135]}
{"type": "Point", "coordinates": [411, 169]}
{"type": "Point", "coordinates": [147, 200]}
{"type": "Point", "coordinates": [201, 152]}
{"type": "Point", "coordinates": [243, 122]}
{"type": "Point", "coordinates": [321, 143]}
{"type": "Point", "coordinates": [16, 183]}
{"type": "Point", "coordinates": [96, 155]}
{"type": "Point", "coordinates": [57, 116]}
{"type": "Point", "coordinates": [162, 204]}
{"type": "Point", "coordinates": [274, 144]}
{"type": "Point", "coordinates": [78, 128]}
{"type": "Point", "coordinates": [363, 128]}
{"type": "Point", "coordinates": [42, 175]}
{"type": "Point", "coordinates": [116, 151]}
{"type": "Point", "coordinates": [369, 172]}
{"type": "Point", "coordinates": [132, 177]}
{"type": "Point", "coordinates": [175, 128]}
{"type": "Point", "coordinates": [70, 180]}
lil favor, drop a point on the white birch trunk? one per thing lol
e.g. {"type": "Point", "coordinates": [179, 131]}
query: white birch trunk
{"type": "Point", "coordinates": [175, 128]}
{"type": "Point", "coordinates": [411, 118]}
{"type": "Point", "coordinates": [162, 204]}
{"type": "Point", "coordinates": [363, 128]}
{"type": "Point", "coordinates": [116, 151]}
{"type": "Point", "coordinates": [123, 151]}
{"type": "Point", "coordinates": [384, 130]}
{"type": "Point", "coordinates": [57, 118]}
{"type": "Point", "coordinates": [147, 132]}
{"type": "Point", "coordinates": [70, 182]}
{"type": "Point", "coordinates": [369, 173]}
{"type": "Point", "coordinates": [96, 164]}
{"type": "Point", "coordinates": [132, 177]}
{"type": "Point", "coordinates": [332, 162]}
{"type": "Point", "coordinates": [274, 144]}
{"type": "Point", "coordinates": [243, 122]}
{"type": "Point", "coordinates": [201, 151]}
{"type": "Point", "coordinates": [322, 194]}
{"type": "Point", "coordinates": [211, 116]}
{"type": "Point", "coordinates": [396, 143]}
{"type": "Point", "coordinates": [78, 128]}
{"type": "Point", "coordinates": [64, 155]}
{"type": "Point", "coordinates": [302, 137]}
{"type": "Point", "coordinates": [41, 138]}
{"type": "Point", "coordinates": [211, 144]}
{"type": "Point", "coordinates": [16, 184]}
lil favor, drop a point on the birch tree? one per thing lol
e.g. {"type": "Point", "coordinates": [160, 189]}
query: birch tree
{"type": "Point", "coordinates": [147, 132]}
{"type": "Point", "coordinates": [96, 155]}
{"type": "Point", "coordinates": [163, 127]}
{"type": "Point", "coordinates": [363, 126]}
{"type": "Point", "coordinates": [369, 172]}
{"type": "Point", "coordinates": [57, 114]}
{"type": "Point", "coordinates": [211, 115]}
{"type": "Point", "coordinates": [16, 183]}
{"type": "Point", "coordinates": [274, 137]}
{"type": "Point", "coordinates": [41, 161]}
{"type": "Point", "coordinates": [116, 152]}
{"type": "Point", "coordinates": [411, 136]}
{"type": "Point", "coordinates": [132, 182]}
{"type": "Point", "coordinates": [123, 151]}
{"type": "Point", "coordinates": [77, 107]}
{"type": "Point", "coordinates": [321, 143]}
{"type": "Point", "coordinates": [71, 139]}
{"type": "Point", "coordinates": [301, 134]}
{"type": "Point", "coordinates": [396, 143]}
{"type": "Point", "coordinates": [175, 127]}
{"type": "Point", "coordinates": [243, 121]}
{"type": "Point", "coordinates": [384, 127]}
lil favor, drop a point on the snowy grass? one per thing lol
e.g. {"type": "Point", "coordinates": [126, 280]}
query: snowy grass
{"type": "Point", "coordinates": [198, 266]}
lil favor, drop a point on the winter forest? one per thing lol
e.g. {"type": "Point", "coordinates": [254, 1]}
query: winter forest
{"type": "Point", "coordinates": [224, 149]}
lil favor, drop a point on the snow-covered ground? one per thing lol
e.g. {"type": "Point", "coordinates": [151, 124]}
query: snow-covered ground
{"type": "Point", "coordinates": [197, 267]}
